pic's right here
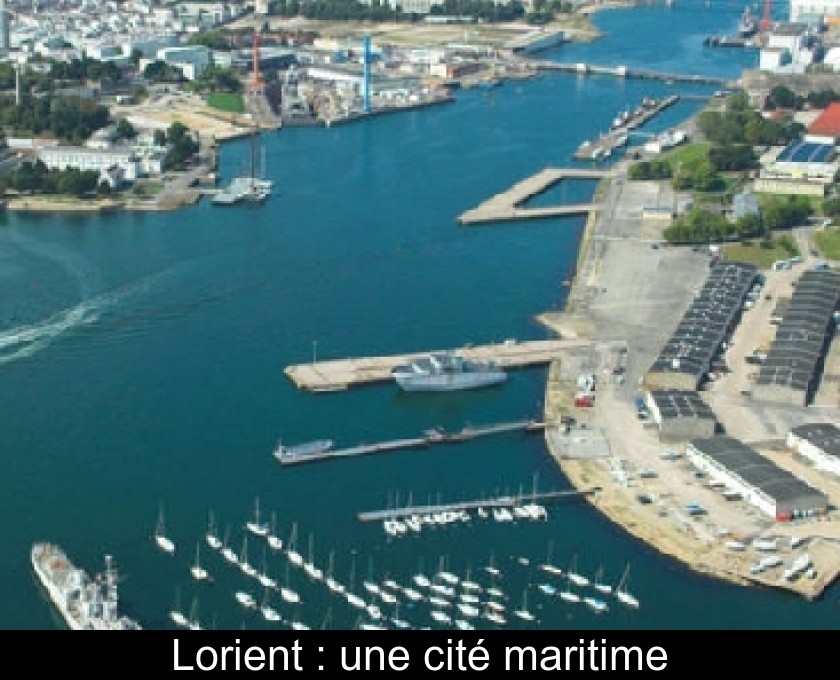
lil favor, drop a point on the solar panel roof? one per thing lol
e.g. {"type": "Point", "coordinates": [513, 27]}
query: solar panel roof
{"type": "Point", "coordinates": [807, 152]}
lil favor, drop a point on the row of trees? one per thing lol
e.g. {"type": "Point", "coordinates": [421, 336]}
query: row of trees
{"type": "Point", "coordinates": [782, 97]}
{"type": "Point", "coordinates": [36, 178]}
{"type": "Point", "coordinates": [71, 119]}
{"type": "Point", "coordinates": [704, 226]}
{"type": "Point", "coordinates": [380, 10]}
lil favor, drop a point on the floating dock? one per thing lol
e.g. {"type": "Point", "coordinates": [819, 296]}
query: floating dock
{"type": "Point", "coordinates": [508, 204]}
{"type": "Point", "coordinates": [484, 503]}
{"type": "Point", "coordinates": [340, 374]}
{"type": "Point", "coordinates": [616, 137]}
{"type": "Point", "coordinates": [430, 438]}
{"type": "Point", "coordinates": [583, 68]}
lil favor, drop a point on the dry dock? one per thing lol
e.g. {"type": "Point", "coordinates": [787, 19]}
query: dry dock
{"type": "Point", "coordinates": [340, 374]}
{"type": "Point", "coordinates": [508, 204]}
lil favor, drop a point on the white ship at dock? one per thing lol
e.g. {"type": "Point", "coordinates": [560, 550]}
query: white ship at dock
{"type": "Point", "coordinates": [445, 372]}
{"type": "Point", "coordinates": [84, 603]}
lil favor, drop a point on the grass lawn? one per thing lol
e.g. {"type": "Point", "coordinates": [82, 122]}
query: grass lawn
{"type": "Point", "coordinates": [763, 258]}
{"type": "Point", "coordinates": [828, 241]}
{"type": "Point", "coordinates": [688, 155]}
{"type": "Point", "coordinates": [225, 101]}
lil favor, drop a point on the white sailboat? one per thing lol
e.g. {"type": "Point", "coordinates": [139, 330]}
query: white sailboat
{"type": "Point", "coordinates": [495, 617]}
{"type": "Point", "coordinates": [599, 584]}
{"type": "Point", "coordinates": [161, 540]}
{"type": "Point", "coordinates": [524, 613]}
{"type": "Point", "coordinates": [193, 623]}
{"type": "Point", "coordinates": [175, 614]}
{"type": "Point", "coordinates": [211, 536]}
{"type": "Point", "coordinates": [623, 594]}
{"type": "Point", "coordinates": [491, 569]}
{"type": "Point", "coordinates": [244, 565]}
{"type": "Point", "coordinates": [353, 599]}
{"type": "Point", "coordinates": [441, 617]}
{"type": "Point", "coordinates": [296, 623]}
{"type": "Point", "coordinates": [370, 585]}
{"type": "Point", "coordinates": [568, 595]}
{"type": "Point", "coordinates": [286, 592]}
{"type": "Point", "coordinates": [274, 541]}
{"type": "Point", "coordinates": [265, 580]}
{"type": "Point", "coordinates": [412, 595]}
{"type": "Point", "coordinates": [309, 567]}
{"type": "Point", "coordinates": [245, 599]}
{"type": "Point", "coordinates": [198, 572]}
{"type": "Point", "coordinates": [256, 527]}
{"type": "Point", "coordinates": [227, 551]}
{"type": "Point", "coordinates": [269, 613]}
{"type": "Point", "coordinates": [574, 576]}
{"type": "Point", "coordinates": [548, 566]}
{"type": "Point", "coordinates": [330, 582]}
{"type": "Point", "coordinates": [595, 604]}
{"type": "Point", "coordinates": [291, 548]}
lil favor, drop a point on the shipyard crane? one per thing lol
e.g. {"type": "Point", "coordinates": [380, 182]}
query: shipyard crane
{"type": "Point", "coordinates": [767, 20]}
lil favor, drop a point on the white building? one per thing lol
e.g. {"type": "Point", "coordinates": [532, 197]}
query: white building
{"type": "Point", "coordinates": [815, 11]}
{"type": "Point", "coordinates": [819, 443]}
{"type": "Point", "coordinates": [192, 59]}
{"type": "Point", "coordinates": [83, 158]}
{"type": "Point", "coordinates": [773, 490]}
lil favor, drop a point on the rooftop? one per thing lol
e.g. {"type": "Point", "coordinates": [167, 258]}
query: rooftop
{"type": "Point", "coordinates": [828, 122]}
{"type": "Point", "coordinates": [807, 152]}
{"type": "Point", "coordinates": [824, 436]}
{"type": "Point", "coordinates": [681, 404]}
{"type": "Point", "coordinates": [755, 470]}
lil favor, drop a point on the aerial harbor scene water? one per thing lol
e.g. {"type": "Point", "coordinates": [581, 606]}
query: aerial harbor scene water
{"type": "Point", "coordinates": [478, 364]}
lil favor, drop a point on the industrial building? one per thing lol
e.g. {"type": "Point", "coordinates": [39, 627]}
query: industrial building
{"type": "Point", "coordinates": [819, 443]}
{"type": "Point", "coordinates": [681, 415]}
{"type": "Point", "coordinates": [791, 372]}
{"type": "Point", "coordinates": [686, 359]}
{"type": "Point", "coordinates": [775, 491]}
{"type": "Point", "coordinates": [815, 11]}
{"type": "Point", "coordinates": [803, 160]}
{"type": "Point", "coordinates": [84, 158]}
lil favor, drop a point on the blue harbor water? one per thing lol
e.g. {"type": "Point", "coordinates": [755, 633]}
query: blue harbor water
{"type": "Point", "coordinates": [142, 357]}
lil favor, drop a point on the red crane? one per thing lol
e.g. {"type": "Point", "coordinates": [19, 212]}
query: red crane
{"type": "Point", "coordinates": [257, 84]}
{"type": "Point", "coordinates": [767, 21]}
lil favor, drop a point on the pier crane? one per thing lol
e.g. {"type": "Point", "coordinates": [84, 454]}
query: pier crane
{"type": "Point", "coordinates": [767, 20]}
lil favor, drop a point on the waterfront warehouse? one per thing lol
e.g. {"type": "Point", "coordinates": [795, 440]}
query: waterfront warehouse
{"type": "Point", "coordinates": [791, 372]}
{"type": "Point", "coordinates": [819, 443]}
{"type": "Point", "coordinates": [681, 415]}
{"type": "Point", "coordinates": [686, 358]}
{"type": "Point", "coordinates": [774, 491]}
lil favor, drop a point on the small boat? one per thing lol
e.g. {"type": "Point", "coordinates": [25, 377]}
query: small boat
{"type": "Point", "coordinates": [256, 527]}
{"type": "Point", "coordinates": [291, 548]}
{"type": "Point", "coordinates": [373, 611]}
{"type": "Point", "coordinates": [468, 610]}
{"type": "Point", "coordinates": [412, 595]}
{"type": "Point", "coordinates": [523, 613]}
{"type": "Point", "coordinates": [440, 589]}
{"type": "Point", "coordinates": [274, 542]}
{"type": "Point", "coordinates": [227, 552]}
{"type": "Point", "coordinates": [244, 566]}
{"type": "Point", "coordinates": [265, 580]}
{"type": "Point", "coordinates": [269, 613]}
{"type": "Point", "coordinates": [193, 623]}
{"type": "Point", "coordinates": [460, 624]}
{"type": "Point", "coordinates": [568, 595]}
{"type": "Point", "coordinates": [595, 604]}
{"type": "Point", "coordinates": [495, 606]}
{"type": "Point", "coordinates": [287, 593]}
{"type": "Point", "coordinates": [330, 582]}
{"type": "Point", "coordinates": [352, 599]}
{"type": "Point", "coordinates": [309, 567]}
{"type": "Point", "coordinates": [163, 542]}
{"type": "Point", "coordinates": [495, 592]}
{"type": "Point", "coordinates": [175, 614]}
{"type": "Point", "coordinates": [447, 577]}
{"type": "Point", "coordinates": [469, 598]}
{"type": "Point", "coordinates": [282, 452]}
{"type": "Point", "coordinates": [548, 567]}
{"type": "Point", "coordinates": [495, 617]}
{"type": "Point", "coordinates": [441, 617]}
{"type": "Point", "coordinates": [198, 572]}
{"type": "Point", "coordinates": [547, 588]}
{"type": "Point", "coordinates": [421, 581]}
{"type": "Point", "coordinates": [622, 593]}
{"type": "Point", "coordinates": [245, 599]}
{"type": "Point", "coordinates": [211, 537]}
{"type": "Point", "coordinates": [599, 584]}
{"type": "Point", "coordinates": [436, 601]}
{"type": "Point", "coordinates": [574, 577]}
{"type": "Point", "coordinates": [387, 597]}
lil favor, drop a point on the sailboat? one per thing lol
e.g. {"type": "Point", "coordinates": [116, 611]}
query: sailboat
{"type": "Point", "coordinates": [327, 622]}
{"type": "Point", "coordinates": [353, 599]}
{"type": "Point", "coordinates": [227, 551]}
{"type": "Point", "coordinates": [244, 565]}
{"type": "Point", "coordinates": [286, 591]}
{"type": "Point", "coordinates": [595, 604]}
{"type": "Point", "coordinates": [175, 614]}
{"type": "Point", "coordinates": [256, 527]}
{"type": "Point", "coordinates": [269, 613]}
{"type": "Point", "coordinates": [265, 580]}
{"type": "Point", "coordinates": [297, 624]}
{"type": "Point", "coordinates": [621, 590]}
{"type": "Point", "coordinates": [198, 572]}
{"type": "Point", "coordinates": [309, 567]}
{"type": "Point", "coordinates": [245, 599]}
{"type": "Point", "coordinates": [274, 542]}
{"type": "Point", "coordinates": [370, 585]}
{"type": "Point", "coordinates": [193, 623]}
{"type": "Point", "coordinates": [568, 595]}
{"type": "Point", "coordinates": [491, 568]}
{"type": "Point", "coordinates": [331, 583]}
{"type": "Point", "coordinates": [548, 566]}
{"type": "Point", "coordinates": [291, 548]}
{"type": "Point", "coordinates": [211, 537]}
{"type": "Point", "coordinates": [250, 188]}
{"type": "Point", "coordinates": [523, 613]}
{"type": "Point", "coordinates": [164, 543]}
{"type": "Point", "coordinates": [599, 584]}
{"type": "Point", "coordinates": [574, 577]}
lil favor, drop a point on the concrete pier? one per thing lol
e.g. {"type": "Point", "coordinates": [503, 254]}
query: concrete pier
{"type": "Point", "coordinates": [340, 374]}
{"type": "Point", "coordinates": [507, 204]}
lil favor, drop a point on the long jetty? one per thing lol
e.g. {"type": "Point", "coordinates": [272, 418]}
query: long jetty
{"type": "Point", "coordinates": [500, 502]}
{"type": "Point", "coordinates": [430, 438]}
{"type": "Point", "coordinates": [340, 374]}
{"type": "Point", "coordinates": [616, 137]}
{"type": "Point", "coordinates": [582, 68]}
{"type": "Point", "coordinates": [507, 205]}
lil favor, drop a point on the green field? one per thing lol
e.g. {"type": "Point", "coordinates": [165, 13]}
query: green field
{"type": "Point", "coordinates": [688, 155]}
{"type": "Point", "coordinates": [828, 242]}
{"type": "Point", "coordinates": [756, 254]}
{"type": "Point", "coordinates": [225, 101]}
